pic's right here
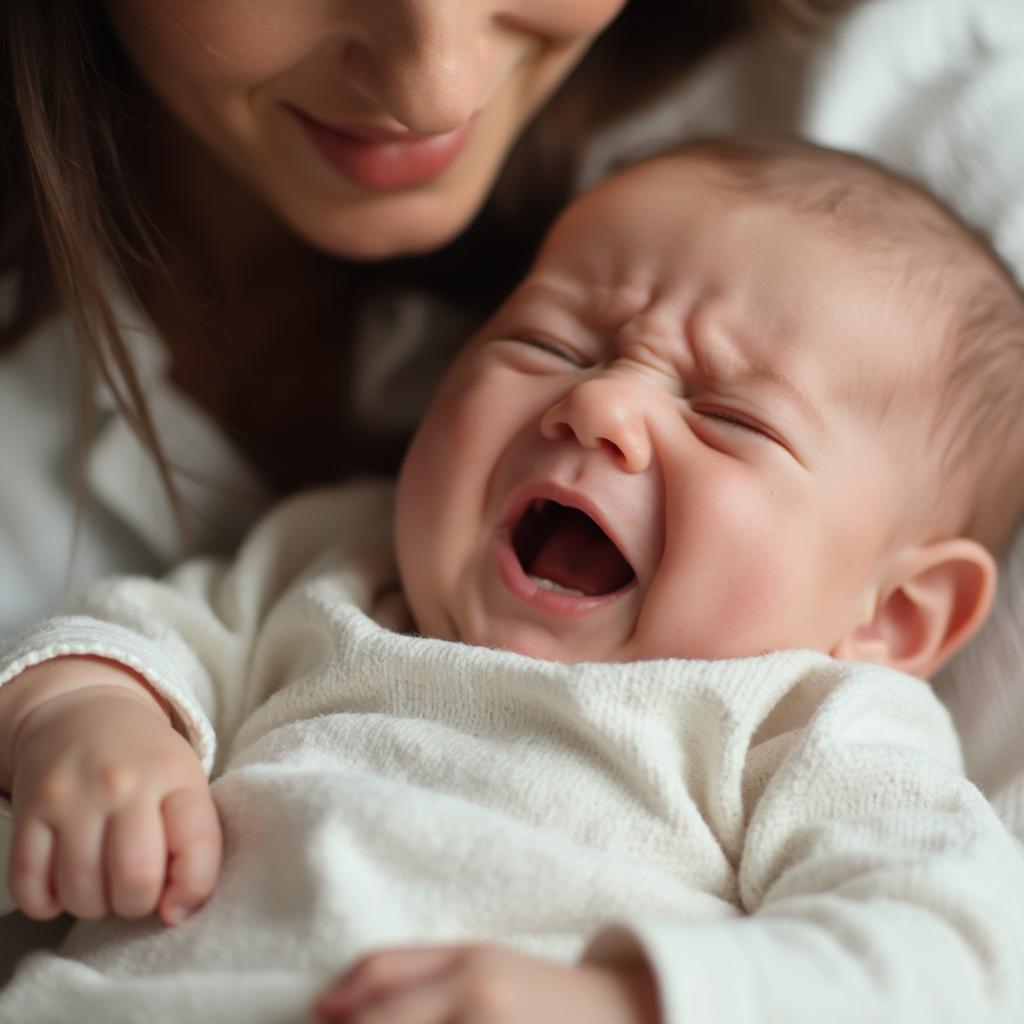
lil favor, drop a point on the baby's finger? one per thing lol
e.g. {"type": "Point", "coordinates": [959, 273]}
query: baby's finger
{"type": "Point", "coordinates": [193, 850]}
{"type": "Point", "coordinates": [136, 859]}
{"type": "Point", "coordinates": [81, 885]}
{"type": "Point", "coordinates": [30, 869]}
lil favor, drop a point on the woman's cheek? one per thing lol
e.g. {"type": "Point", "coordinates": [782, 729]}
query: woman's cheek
{"type": "Point", "coordinates": [210, 44]}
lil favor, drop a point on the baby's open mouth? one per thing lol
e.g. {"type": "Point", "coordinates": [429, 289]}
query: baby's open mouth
{"type": "Point", "coordinates": [563, 550]}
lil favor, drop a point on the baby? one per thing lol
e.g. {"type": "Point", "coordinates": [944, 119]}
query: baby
{"type": "Point", "coordinates": [756, 406]}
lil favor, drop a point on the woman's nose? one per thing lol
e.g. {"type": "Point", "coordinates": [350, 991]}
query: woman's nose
{"type": "Point", "coordinates": [426, 62]}
{"type": "Point", "coordinates": [603, 412]}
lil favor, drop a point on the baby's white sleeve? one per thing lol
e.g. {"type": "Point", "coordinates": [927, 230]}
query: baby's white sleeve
{"type": "Point", "coordinates": [148, 626]}
{"type": "Point", "coordinates": [877, 885]}
{"type": "Point", "coordinates": [191, 635]}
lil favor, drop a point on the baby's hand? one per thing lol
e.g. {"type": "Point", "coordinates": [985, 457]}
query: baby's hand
{"type": "Point", "coordinates": [112, 810]}
{"type": "Point", "coordinates": [486, 985]}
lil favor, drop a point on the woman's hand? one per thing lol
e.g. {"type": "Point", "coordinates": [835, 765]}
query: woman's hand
{"type": "Point", "coordinates": [486, 985]}
{"type": "Point", "coordinates": [112, 810]}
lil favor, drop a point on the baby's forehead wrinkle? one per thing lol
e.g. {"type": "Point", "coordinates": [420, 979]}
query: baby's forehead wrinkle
{"type": "Point", "coordinates": [551, 287]}
{"type": "Point", "coordinates": [616, 305]}
{"type": "Point", "coordinates": [605, 307]}
{"type": "Point", "coordinates": [718, 353]}
{"type": "Point", "coordinates": [645, 353]}
{"type": "Point", "coordinates": [655, 326]}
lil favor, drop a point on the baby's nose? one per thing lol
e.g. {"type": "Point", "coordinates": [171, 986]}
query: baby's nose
{"type": "Point", "coordinates": [603, 412]}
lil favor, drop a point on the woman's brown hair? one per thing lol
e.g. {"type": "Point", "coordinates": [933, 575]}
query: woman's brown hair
{"type": "Point", "coordinates": [67, 214]}
{"type": "Point", "coordinates": [68, 207]}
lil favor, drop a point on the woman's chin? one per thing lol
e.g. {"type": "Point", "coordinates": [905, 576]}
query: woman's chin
{"type": "Point", "coordinates": [371, 228]}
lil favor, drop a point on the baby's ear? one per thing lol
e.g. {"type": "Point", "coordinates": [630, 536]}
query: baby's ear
{"type": "Point", "coordinates": [934, 599]}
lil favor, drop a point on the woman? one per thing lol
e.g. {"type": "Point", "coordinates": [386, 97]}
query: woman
{"type": "Point", "coordinates": [253, 192]}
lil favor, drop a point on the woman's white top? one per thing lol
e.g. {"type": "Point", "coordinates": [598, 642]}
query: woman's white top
{"type": "Point", "coordinates": [786, 839]}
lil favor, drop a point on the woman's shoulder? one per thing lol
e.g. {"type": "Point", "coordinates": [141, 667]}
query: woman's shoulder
{"type": "Point", "coordinates": [81, 496]}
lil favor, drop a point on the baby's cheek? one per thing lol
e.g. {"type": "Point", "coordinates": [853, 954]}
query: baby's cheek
{"type": "Point", "coordinates": [435, 498]}
{"type": "Point", "coordinates": [736, 565]}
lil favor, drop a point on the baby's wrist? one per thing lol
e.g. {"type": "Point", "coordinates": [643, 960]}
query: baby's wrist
{"type": "Point", "coordinates": [55, 686]}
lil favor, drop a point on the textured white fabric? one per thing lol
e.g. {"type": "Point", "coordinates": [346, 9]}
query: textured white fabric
{"type": "Point", "coordinates": [787, 838]}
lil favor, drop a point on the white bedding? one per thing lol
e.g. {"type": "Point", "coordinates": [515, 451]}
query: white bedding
{"type": "Point", "coordinates": [984, 689]}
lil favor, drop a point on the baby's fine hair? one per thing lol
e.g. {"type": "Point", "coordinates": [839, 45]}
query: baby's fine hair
{"type": "Point", "coordinates": [977, 409]}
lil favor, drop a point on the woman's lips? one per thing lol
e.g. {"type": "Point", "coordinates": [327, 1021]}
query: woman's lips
{"type": "Point", "coordinates": [384, 161]}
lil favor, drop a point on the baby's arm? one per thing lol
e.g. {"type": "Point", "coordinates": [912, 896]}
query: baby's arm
{"type": "Point", "coordinates": [487, 985]}
{"type": "Point", "coordinates": [879, 885]}
{"type": "Point", "coordinates": [101, 739]}
{"type": "Point", "coordinates": [875, 884]}
{"type": "Point", "coordinates": [111, 805]}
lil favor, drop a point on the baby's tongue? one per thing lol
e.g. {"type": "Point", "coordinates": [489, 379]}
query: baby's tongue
{"type": "Point", "coordinates": [579, 556]}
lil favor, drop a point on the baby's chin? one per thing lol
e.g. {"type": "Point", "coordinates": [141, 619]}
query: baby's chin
{"type": "Point", "coordinates": [532, 641]}
{"type": "Point", "coordinates": [563, 642]}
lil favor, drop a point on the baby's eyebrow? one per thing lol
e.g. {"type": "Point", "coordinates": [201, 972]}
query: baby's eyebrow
{"type": "Point", "coordinates": [803, 402]}
{"type": "Point", "coordinates": [728, 366]}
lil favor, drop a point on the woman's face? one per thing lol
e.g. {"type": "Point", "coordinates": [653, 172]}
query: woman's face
{"type": "Point", "coordinates": [371, 127]}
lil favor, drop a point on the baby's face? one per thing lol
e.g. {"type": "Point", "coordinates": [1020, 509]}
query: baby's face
{"type": "Point", "coordinates": [666, 443]}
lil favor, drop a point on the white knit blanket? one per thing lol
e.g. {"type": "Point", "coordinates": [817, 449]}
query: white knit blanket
{"type": "Point", "coordinates": [786, 838]}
